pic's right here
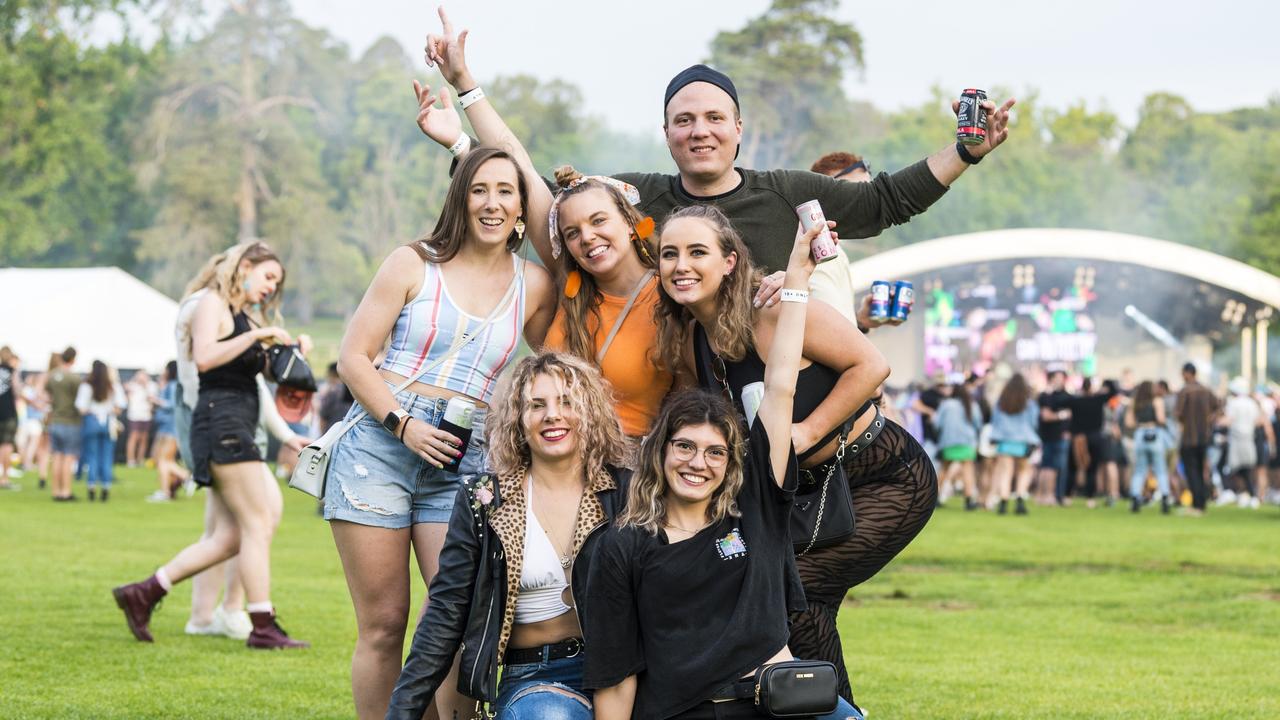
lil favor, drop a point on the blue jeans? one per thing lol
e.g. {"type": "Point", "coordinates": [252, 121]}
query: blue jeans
{"type": "Point", "coordinates": [98, 451]}
{"type": "Point", "coordinates": [1149, 455]}
{"type": "Point", "coordinates": [1053, 456]}
{"type": "Point", "coordinates": [550, 690]}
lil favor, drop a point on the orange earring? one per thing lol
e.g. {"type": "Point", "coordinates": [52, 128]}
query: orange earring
{"type": "Point", "coordinates": [572, 284]}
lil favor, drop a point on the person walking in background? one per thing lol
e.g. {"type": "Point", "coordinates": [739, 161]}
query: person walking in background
{"type": "Point", "coordinates": [1015, 431]}
{"type": "Point", "coordinates": [140, 395]}
{"type": "Point", "coordinates": [169, 474]}
{"type": "Point", "coordinates": [64, 425]}
{"type": "Point", "coordinates": [10, 388]}
{"type": "Point", "coordinates": [1146, 416]}
{"type": "Point", "coordinates": [959, 420]}
{"type": "Point", "coordinates": [99, 398]}
{"type": "Point", "coordinates": [1194, 411]}
{"type": "Point", "coordinates": [33, 443]}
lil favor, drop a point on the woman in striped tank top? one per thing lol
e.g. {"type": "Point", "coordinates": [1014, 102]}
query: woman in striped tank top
{"type": "Point", "coordinates": [387, 490]}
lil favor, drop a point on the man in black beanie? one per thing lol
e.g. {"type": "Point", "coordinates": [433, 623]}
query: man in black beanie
{"type": "Point", "coordinates": [703, 127]}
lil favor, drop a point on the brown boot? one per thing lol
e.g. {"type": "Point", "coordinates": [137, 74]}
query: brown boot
{"type": "Point", "coordinates": [137, 600]}
{"type": "Point", "coordinates": [268, 635]}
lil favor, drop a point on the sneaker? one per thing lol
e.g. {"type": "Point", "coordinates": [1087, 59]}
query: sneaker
{"type": "Point", "coordinates": [93, 494]}
{"type": "Point", "coordinates": [1254, 503]}
{"type": "Point", "coordinates": [189, 487]}
{"type": "Point", "coordinates": [1242, 500]}
{"type": "Point", "coordinates": [1135, 505]}
{"type": "Point", "coordinates": [268, 635]}
{"type": "Point", "coordinates": [213, 628]}
{"type": "Point", "coordinates": [1226, 497]}
{"type": "Point", "coordinates": [15, 473]}
{"type": "Point", "coordinates": [1020, 507]}
{"type": "Point", "coordinates": [970, 504]}
{"type": "Point", "coordinates": [235, 625]}
{"type": "Point", "coordinates": [42, 483]}
{"type": "Point", "coordinates": [159, 496]}
{"type": "Point", "coordinates": [1003, 507]}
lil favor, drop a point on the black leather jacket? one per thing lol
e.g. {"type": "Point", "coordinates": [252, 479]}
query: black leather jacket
{"type": "Point", "coordinates": [468, 597]}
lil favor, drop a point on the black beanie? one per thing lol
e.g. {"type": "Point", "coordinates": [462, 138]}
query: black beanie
{"type": "Point", "coordinates": [700, 73]}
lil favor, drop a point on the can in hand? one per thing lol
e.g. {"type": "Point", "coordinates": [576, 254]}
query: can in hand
{"type": "Point", "coordinates": [904, 296]}
{"type": "Point", "coordinates": [457, 422]}
{"type": "Point", "coordinates": [823, 247]}
{"type": "Point", "coordinates": [880, 300]}
{"type": "Point", "coordinates": [752, 394]}
{"type": "Point", "coordinates": [971, 120]}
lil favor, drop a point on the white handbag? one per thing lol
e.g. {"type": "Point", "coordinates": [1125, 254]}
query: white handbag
{"type": "Point", "coordinates": [310, 472]}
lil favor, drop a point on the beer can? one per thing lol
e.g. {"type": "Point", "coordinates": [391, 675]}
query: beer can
{"type": "Point", "coordinates": [971, 120]}
{"type": "Point", "coordinates": [457, 421]}
{"type": "Point", "coordinates": [880, 294]}
{"type": "Point", "coordinates": [823, 247]}
{"type": "Point", "coordinates": [752, 394]}
{"type": "Point", "coordinates": [904, 296]}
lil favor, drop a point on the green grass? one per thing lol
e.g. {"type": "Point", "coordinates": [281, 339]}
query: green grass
{"type": "Point", "coordinates": [1064, 614]}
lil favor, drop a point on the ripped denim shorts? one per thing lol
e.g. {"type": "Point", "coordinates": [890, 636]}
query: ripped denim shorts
{"type": "Point", "coordinates": [375, 480]}
{"type": "Point", "coordinates": [547, 690]}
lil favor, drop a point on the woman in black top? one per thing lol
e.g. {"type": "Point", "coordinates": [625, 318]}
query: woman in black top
{"type": "Point", "coordinates": [228, 332]}
{"type": "Point", "coordinates": [689, 592]}
{"type": "Point", "coordinates": [519, 549]}
{"type": "Point", "coordinates": [711, 327]}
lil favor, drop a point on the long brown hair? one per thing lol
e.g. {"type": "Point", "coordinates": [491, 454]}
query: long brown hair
{"type": "Point", "coordinates": [100, 381]}
{"type": "Point", "coordinates": [443, 243]}
{"type": "Point", "coordinates": [582, 311]}
{"type": "Point", "coordinates": [646, 499]}
{"type": "Point", "coordinates": [1014, 396]}
{"type": "Point", "coordinates": [733, 333]}
{"type": "Point", "coordinates": [601, 441]}
{"type": "Point", "coordinates": [1144, 396]}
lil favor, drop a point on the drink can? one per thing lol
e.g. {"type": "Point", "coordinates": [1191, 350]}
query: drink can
{"type": "Point", "coordinates": [752, 394]}
{"type": "Point", "coordinates": [880, 294]}
{"type": "Point", "coordinates": [971, 120]}
{"type": "Point", "coordinates": [457, 421]}
{"type": "Point", "coordinates": [904, 296]}
{"type": "Point", "coordinates": [823, 247]}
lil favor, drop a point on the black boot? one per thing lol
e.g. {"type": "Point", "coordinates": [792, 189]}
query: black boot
{"type": "Point", "coordinates": [1020, 507]}
{"type": "Point", "coordinates": [93, 494]}
{"type": "Point", "coordinates": [970, 504]}
{"type": "Point", "coordinates": [1164, 504]}
{"type": "Point", "coordinates": [1003, 508]}
{"type": "Point", "coordinates": [1135, 504]}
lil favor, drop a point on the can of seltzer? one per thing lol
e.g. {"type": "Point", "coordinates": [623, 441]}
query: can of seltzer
{"type": "Point", "coordinates": [823, 247]}
{"type": "Point", "coordinates": [880, 300]}
{"type": "Point", "coordinates": [971, 120]}
{"type": "Point", "coordinates": [457, 422]}
{"type": "Point", "coordinates": [752, 394]}
{"type": "Point", "coordinates": [904, 296]}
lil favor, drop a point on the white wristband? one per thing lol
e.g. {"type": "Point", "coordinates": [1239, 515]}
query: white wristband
{"type": "Point", "coordinates": [795, 296]}
{"type": "Point", "coordinates": [471, 97]}
{"type": "Point", "coordinates": [461, 146]}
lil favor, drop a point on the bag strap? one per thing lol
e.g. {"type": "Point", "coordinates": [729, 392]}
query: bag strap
{"type": "Point", "coordinates": [617, 324]}
{"type": "Point", "coordinates": [826, 484]}
{"type": "Point", "coordinates": [457, 347]}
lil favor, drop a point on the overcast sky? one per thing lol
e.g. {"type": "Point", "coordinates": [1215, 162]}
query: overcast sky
{"type": "Point", "coordinates": [1110, 53]}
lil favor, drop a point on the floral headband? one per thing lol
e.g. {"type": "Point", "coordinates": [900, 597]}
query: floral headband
{"type": "Point", "coordinates": [628, 191]}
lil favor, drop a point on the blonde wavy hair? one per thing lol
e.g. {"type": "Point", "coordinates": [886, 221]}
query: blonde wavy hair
{"type": "Point", "coordinates": [601, 441]}
{"type": "Point", "coordinates": [647, 497]}
{"type": "Point", "coordinates": [733, 333]}
{"type": "Point", "coordinates": [582, 311]}
{"type": "Point", "coordinates": [229, 281]}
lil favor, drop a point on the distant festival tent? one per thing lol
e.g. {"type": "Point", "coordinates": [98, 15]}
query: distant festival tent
{"type": "Point", "coordinates": [105, 313]}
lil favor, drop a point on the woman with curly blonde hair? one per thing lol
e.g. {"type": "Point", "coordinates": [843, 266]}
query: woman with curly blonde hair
{"type": "Point", "coordinates": [519, 546]}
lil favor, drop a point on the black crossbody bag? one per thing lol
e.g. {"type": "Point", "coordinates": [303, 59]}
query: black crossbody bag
{"type": "Point", "coordinates": [822, 512]}
{"type": "Point", "coordinates": [796, 688]}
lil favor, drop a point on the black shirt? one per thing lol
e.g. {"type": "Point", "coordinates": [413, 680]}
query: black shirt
{"type": "Point", "coordinates": [931, 399]}
{"type": "Point", "coordinates": [8, 402]}
{"type": "Point", "coordinates": [689, 618]}
{"type": "Point", "coordinates": [1087, 413]}
{"type": "Point", "coordinates": [239, 372]}
{"type": "Point", "coordinates": [1055, 401]}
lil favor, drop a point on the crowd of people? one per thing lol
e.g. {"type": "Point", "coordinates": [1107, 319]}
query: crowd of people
{"type": "Point", "coordinates": [622, 523]}
{"type": "Point", "coordinates": [1112, 440]}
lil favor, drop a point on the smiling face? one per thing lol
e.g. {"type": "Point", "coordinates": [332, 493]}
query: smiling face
{"type": "Point", "coordinates": [692, 262]}
{"type": "Point", "coordinates": [549, 419]}
{"type": "Point", "coordinates": [703, 131]}
{"type": "Point", "coordinates": [694, 464]}
{"type": "Point", "coordinates": [260, 280]}
{"type": "Point", "coordinates": [595, 233]}
{"type": "Point", "coordinates": [493, 202]}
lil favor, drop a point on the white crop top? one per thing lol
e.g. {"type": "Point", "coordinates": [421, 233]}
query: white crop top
{"type": "Point", "coordinates": [542, 579]}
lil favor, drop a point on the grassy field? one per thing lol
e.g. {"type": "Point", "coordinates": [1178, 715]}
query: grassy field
{"type": "Point", "coordinates": [1064, 614]}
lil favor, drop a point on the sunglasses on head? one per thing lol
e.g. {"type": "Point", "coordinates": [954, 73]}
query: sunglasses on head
{"type": "Point", "coordinates": [860, 165]}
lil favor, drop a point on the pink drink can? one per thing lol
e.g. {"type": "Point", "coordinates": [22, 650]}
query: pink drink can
{"type": "Point", "coordinates": [823, 247]}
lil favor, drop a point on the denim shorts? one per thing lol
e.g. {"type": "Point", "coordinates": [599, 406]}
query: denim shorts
{"type": "Point", "coordinates": [538, 690]}
{"type": "Point", "coordinates": [375, 480]}
{"type": "Point", "coordinates": [64, 438]}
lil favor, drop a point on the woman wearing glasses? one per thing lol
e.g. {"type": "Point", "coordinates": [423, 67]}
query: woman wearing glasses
{"type": "Point", "coordinates": [707, 322]}
{"type": "Point", "coordinates": [689, 592]}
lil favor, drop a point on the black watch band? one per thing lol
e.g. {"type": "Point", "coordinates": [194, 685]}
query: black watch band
{"type": "Point", "coordinates": [965, 155]}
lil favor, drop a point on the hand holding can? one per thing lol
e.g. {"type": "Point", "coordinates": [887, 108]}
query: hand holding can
{"type": "Point", "coordinates": [823, 247]}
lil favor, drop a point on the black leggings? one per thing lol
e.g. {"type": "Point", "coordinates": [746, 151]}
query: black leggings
{"type": "Point", "coordinates": [894, 488]}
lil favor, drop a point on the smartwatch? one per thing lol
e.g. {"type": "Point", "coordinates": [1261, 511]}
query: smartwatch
{"type": "Point", "coordinates": [393, 419]}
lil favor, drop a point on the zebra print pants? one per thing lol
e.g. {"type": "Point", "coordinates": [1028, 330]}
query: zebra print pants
{"type": "Point", "coordinates": [894, 488]}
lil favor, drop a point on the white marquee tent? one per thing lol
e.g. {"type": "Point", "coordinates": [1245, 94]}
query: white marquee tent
{"type": "Point", "coordinates": [105, 313]}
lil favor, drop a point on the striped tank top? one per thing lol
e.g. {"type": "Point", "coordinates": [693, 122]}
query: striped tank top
{"type": "Point", "coordinates": [430, 324]}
